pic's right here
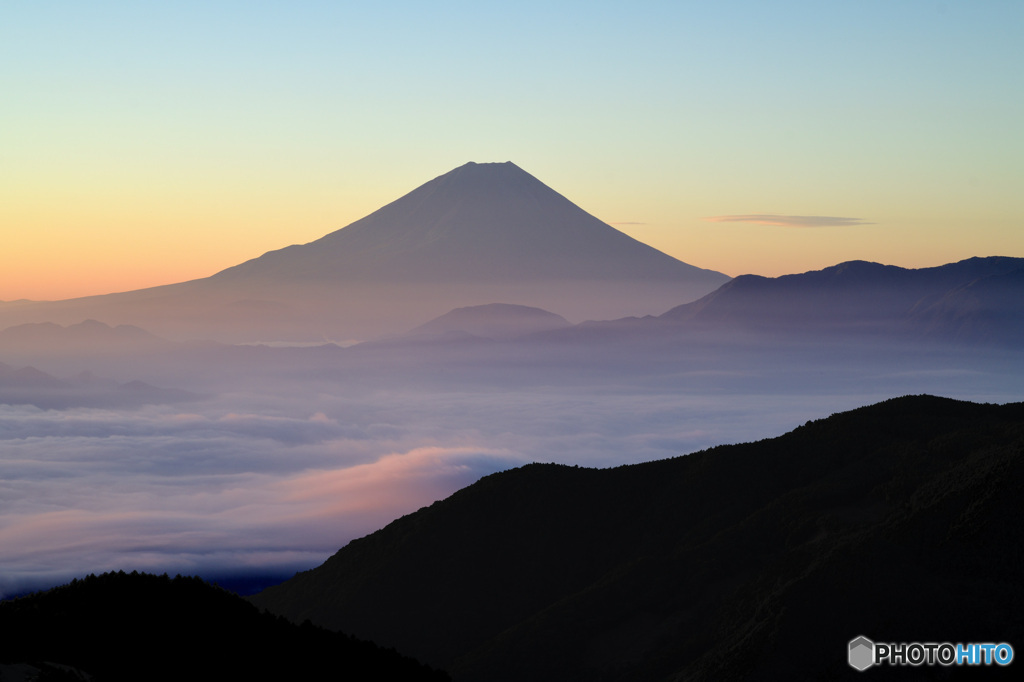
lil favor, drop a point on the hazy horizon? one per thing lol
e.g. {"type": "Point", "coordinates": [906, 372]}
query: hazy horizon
{"type": "Point", "coordinates": [278, 457]}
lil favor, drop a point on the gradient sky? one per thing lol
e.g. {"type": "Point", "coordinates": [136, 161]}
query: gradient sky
{"type": "Point", "coordinates": [148, 143]}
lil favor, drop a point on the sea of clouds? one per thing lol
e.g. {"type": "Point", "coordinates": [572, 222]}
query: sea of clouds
{"type": "Point", "coordinates": [275, 477]}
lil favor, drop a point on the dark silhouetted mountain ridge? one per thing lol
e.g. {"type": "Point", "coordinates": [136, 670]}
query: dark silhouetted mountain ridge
{"type": "Point", "coordinates": [119, 626]}
{"type": "Point", "coordinates": [899, 521]}
{"type": "Point", "coordinates": [974, 299]}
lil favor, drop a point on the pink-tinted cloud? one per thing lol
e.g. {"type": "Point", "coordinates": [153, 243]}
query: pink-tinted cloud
{"type": "Point", "coordinates": [789, 220]}
{"type": "Point", "coordinates": [395, 484]}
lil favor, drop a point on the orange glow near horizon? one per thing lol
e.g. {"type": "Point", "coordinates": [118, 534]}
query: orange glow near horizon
{"type": "Point", "coordinates": [88, 250]}
{"type": "Point", "coordinates": [87, 237]}
{"type": "Point", "coordinates": [108, 252]}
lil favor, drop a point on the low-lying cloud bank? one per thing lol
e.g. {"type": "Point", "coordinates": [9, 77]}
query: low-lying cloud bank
{"type": "Point", "coordinates": [276, 480]}
{"type": "Point", "coordinates": [159, 490]}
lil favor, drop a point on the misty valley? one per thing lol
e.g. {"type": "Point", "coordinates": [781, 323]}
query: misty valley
{"type": "Point", "coordinates": [493, 433]}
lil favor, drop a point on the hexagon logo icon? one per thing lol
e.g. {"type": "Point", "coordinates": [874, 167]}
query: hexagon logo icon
{"type": "Point", "coordinates": [862, 653]}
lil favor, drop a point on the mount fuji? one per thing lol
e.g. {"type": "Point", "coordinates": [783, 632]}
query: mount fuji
{"type": "Point", "coordinates": [482, 233]}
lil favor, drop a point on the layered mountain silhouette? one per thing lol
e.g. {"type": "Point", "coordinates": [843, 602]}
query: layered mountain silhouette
{"type": "Point", "coordinates": [974, 299]}
{"type": "Point", "coordinates": [494, 321]}
{"type": "Point", "coordinates": [974, 302]}
{"type": "Point", "coordinates": [85, 338]}
{"type": "Point", "coordinates": [899, 521]}
{"type": "Point", "coordinates": [479, 234]}
{"type": "Point", "coordinates": [31, 386]}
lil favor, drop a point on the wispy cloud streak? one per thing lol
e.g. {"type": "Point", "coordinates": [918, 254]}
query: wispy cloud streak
{"type": "Point", "coordinates": [789, 220]}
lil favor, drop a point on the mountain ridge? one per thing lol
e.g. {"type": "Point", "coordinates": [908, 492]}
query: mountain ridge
{"type": "Point", "coordinates": [494, 321]}
{"type": "Point", "coordinates": [31, 386]}
{"type": "Point", "coordinates": [132, 626]}
{"type": "Point", "coordinates": [706, 566]}
{"type": "Point", "coordinates": [902, 288]}
{"type": "Point", "coordinates": [973, 301]}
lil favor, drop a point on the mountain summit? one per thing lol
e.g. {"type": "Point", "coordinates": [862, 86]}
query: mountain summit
{"type": "Point", "coordinates": [482, 233]}
{"type": "Point", "coordinates": [481, 222]}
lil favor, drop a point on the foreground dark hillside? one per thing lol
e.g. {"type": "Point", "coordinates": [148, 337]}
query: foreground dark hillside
{"type": "Point", "coordinates": [118, 626]}
{"type": "Point", "coordinates": [900, 521]}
